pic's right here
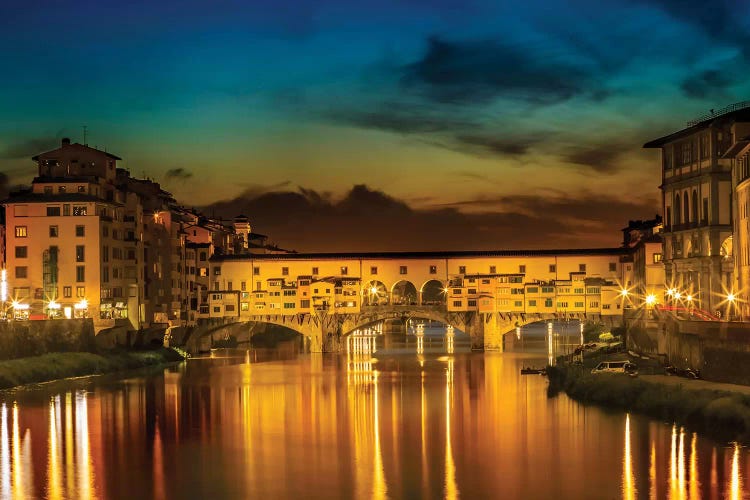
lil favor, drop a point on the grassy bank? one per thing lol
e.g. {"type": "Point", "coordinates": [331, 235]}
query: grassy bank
{"type": "Point", "coordinates": [61, 365]}
{"type": "Point", "coordinates": [722, 415]}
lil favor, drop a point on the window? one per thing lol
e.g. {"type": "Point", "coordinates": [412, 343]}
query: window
{"type": "Point", "coordinates": [80, 253]}
{"type": "Point", "coordinates": [243, 285]}
{"type": "Point", "coordinates": [581, 268]}
{"type": "Point", "coordinates": [53, 211]}
{"type": "Point", "coordinates": [217, 309]}
{"type": "Point", "coordinates": [493, 269]}
{"type": "Point", "coordinates": [53, 232]}
{"type": "Point", "coordinates": [217, 271]}
{"type": "Point", "coordinates": [229, 308]}
{"type": "Point", "coordinates": [289, 305]}
{"type": "Point", "coordinates": [457, 303]}
{"type": "Point", "coordinates": [402, 270]}
{"type": "Point", "coordinates": [256, 271]}
{"type": "Point", "coordinates": [66, 210]}
{"type": "Point", "coordinates": [461, 269]}
{"type": "Point", "coordinates": [105, 274]}
{"type": "Point", "coordinates": [532, 289]}
{"type": "Point", "coordinates": [562, 305]}
{"type": "Point", "coordinates": [229, 286]}
{"type": "Point", "coordinates": [517, 303]}
{"type": "Point", "coordinates": [80, 231]}
{"type": "Point", "coordinates": [22, 272]}
{"type": "Point", "coordinates": [304, 304]}
{"type": "Point", "coordinates": [80, 292]}
{"type": "Point", "coordinates": [244, 306]}
{"type": "Point", "coordinates": [578, 304]}
{"type": "Point", "coordinates": [47, 189]}
{"type": "Point", "coordinates": [67, 291]}
{"type": "Point", "coordinates": [612, 267]}
{"type": "Point", "coordinates": [79, 209]}
{"type": "Point", "coordinates": [285, 271]}
{"type": "Point", "coordinates": [472, 303]}
{"type": "Point", "coordinates": [344, 271]}
{"type": "Point", "coordinates": [552, 268]}
{"type": "Point", "coordinates": [105, 231]}
{"type": "Point", "coordinates": [593, 305]}
{"type": "Point", "coordinates": [548, 289]}
{"type": "Point", "coordinates": [532, 303]}
{"type": "Point", "coordinates": [61, 189]}
{"type": "Point", "coordinates": [657, 258]}
{"type": "Point", "coordinates": [81, 189]}
{"type": "Point", "coordinates": [433, 269]}
{"type": "Point", "coordinates": [547, 302]}
{"type": "Point", "coordinates": [522, 269]}
{"type": "Point", "coordinates": [22, 252]}
{"type": "Point", "coordinates": [21, 232]}
{"type": "Point", "coordinates": [472, 291]}
{"type": "Point", "coordinates": [314, 270]}
{"type": "Point", "coordinates": [80, 274]}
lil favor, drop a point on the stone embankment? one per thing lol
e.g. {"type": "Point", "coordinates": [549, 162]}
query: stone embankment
{"type": "Point", "coordinates": [60, 365]}
{"type": "Point", "coordinates": [720, 411]}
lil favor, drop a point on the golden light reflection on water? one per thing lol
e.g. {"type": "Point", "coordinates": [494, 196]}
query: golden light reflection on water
{"type": "Point", "coordinates": [629, 491]}
{"type": "Point", "coordinates": [366, 424]}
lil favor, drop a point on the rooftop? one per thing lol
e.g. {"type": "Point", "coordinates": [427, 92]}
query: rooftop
{"type": "Point", "coordinates": [738, 112]}
{"type": "Point", "coordinates": [424, 255]}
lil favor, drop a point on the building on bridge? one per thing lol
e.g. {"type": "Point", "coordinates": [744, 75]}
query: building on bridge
{"type": "Point", "coordinates": [577, 282]}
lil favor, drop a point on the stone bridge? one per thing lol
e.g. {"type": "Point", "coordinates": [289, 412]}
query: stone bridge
{"type": "Point", "coordinates": [323, 330]}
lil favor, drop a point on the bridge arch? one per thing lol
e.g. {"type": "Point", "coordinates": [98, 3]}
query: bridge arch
{"type": "Point", "coordinates": [404, 293]}
{"type": "Point", "coordinates": [375, 293]}
{"type": "Point", "coordinates": [432, 292]}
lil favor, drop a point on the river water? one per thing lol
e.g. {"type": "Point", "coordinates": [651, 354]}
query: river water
{"type": "Point", "coordinates": [384, 420]}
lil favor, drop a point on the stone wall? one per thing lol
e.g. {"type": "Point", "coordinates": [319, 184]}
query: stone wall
{"type": "Point", "coordinates": [20, 339]}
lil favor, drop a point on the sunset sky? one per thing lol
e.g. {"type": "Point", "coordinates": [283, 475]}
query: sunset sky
{"type": "Point", "coordinates": [487, 124]}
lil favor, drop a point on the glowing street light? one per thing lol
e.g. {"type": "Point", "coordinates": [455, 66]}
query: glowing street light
{"type": "Point", "coordinates": [624, 292]}
{"type": "Point", "coordinates": [677, 295]}
{"type": "Point", "coordinates": [731, 297]}
{"type": "Point", "coordinates": [651, 299]}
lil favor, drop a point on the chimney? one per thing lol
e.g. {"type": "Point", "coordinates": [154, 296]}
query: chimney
{"type": "Point", "coordinates": [66, 141]}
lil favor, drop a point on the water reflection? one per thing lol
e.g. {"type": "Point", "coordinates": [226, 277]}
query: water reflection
{"type": "Point", "coordinates": [370, 423]}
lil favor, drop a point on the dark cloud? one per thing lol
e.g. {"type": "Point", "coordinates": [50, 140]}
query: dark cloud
{"type": "Point", "coordinates": [601, 158]}
{"type": "Point", "coordinates": [403, 118]}
{"type": "Point", "coordinates": [494, 145]}
{"type": "Point", "coordinates": [178, 173]}
{"type": "Point", "coordinates": [461, 72]}
{"type": "Point", "coordinates": [26, 148]}
{"type": "Point", "coordinates": [706, 84]}
{"type": "Point", "coordinates": [717, 19]}
{"type": "Point", "coordinates": [370, 220]}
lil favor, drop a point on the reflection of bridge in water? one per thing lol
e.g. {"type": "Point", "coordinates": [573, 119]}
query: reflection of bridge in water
{"type": "Point", "coordinates": [328, 332]}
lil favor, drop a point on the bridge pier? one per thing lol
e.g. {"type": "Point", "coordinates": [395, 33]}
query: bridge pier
{"type": "Point", "coordinates": [487, 331]}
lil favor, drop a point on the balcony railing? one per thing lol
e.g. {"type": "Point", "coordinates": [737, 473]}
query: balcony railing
{"type": "Point", "coordinates": [723, 111]}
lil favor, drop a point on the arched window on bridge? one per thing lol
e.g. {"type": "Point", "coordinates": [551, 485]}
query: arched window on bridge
{"type": "Point", "coordinates": [374, 293]}
{"type": "Point", "coordinates": [433, 293]}
{"type": "Point", "coordinates": [404, 293]}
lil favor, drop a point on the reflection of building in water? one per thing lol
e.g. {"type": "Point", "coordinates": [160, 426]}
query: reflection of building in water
{"type": "Point", "coordinates": [735, 485]}
{"type": "Point", "coordinates": [451, 488]}
{"type": "Point", "coordinates": [362, 381]}
{"type": "Point", "coordinates": [449, 333]}
{"type": "Point", "coordinates": [629, 491]}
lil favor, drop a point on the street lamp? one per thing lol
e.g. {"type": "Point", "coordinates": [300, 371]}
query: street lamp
{"type": "Point", "coordinates": [650, 300]}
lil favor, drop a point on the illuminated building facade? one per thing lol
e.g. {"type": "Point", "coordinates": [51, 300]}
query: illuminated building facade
{"type": "Point", "coordinates": [697, 197]}
{"type": "Point", "coordinates": [89, 240]}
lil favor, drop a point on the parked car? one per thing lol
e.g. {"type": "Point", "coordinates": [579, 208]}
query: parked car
{"type": "Point", "coordinates": [683, 372]}
{"type": "Point", "coordinates": [623, 366]}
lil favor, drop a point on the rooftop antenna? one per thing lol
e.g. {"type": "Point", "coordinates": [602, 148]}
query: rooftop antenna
{"type": "Point", "coordinates": [85, 129]}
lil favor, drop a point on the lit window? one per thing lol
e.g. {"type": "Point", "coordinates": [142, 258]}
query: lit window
{"type": "Point", "coordinates": [79, 209]}
{"type": "Point", "coordinates": [21, 231]}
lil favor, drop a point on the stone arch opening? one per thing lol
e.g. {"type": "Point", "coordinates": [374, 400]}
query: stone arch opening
{"type": "Point", "coordinates": [686, 207]}
{"type": "Point", "coordinates": [433, 293]}
{"type": "Point", "coordinates": [375, 293]}
{"type": "Point", "coordinates": [677, 209]}
{"type": "Point", "coordinates": [404, 293]}
{"type": "Point", "coordinates": [695, 206]}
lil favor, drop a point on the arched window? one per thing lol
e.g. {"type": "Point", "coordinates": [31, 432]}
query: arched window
{"type": "Point", "coordinates": [686, 207]}
{"type": "Point", "coordinates": [677, 212]}
{"type": "Point", "coordinates": [695, 206]}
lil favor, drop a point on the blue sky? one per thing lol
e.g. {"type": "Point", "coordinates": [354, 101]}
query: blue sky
{"type": "Point", "coordinates": [479, 108]}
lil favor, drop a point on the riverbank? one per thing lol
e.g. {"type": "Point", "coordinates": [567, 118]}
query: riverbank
{"type": "Point", "coordinates": [720, 414]}
{"type": "Point", "coordinates": [60, 365]}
